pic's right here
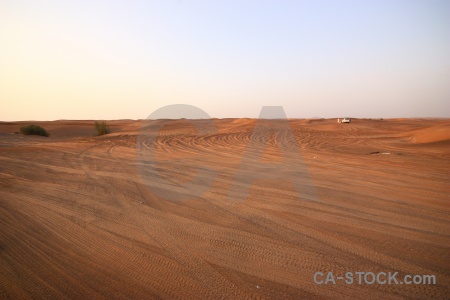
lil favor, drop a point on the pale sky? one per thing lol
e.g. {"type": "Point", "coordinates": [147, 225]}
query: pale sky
{"type": "Point", "coordinates": [126, 59]}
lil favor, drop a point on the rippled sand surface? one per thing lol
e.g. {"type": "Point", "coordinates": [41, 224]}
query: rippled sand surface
{"type": "Point", "coordinates": [97, 217]}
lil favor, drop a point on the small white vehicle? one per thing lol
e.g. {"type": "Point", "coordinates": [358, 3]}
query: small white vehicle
{"type": "Point", "coordinates": [345, 120]}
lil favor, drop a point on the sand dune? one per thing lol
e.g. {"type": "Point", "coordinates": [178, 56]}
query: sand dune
{"type": "Point", "coordinates": [437, 133]}
{"type": "Point", "coordinates": [92, 217]}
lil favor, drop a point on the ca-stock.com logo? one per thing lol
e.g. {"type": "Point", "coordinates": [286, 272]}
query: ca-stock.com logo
{"type": "Point", "coordinates": [154, 155]}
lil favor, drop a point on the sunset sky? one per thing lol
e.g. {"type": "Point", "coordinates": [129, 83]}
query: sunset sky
{"type": "Point", "coordinates": [125, 59]}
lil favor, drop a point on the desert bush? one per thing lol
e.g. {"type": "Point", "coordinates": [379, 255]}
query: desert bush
{"type": "Point", "coordinates": [34, 130]}
{"type": "Point", "coordinates": [102, 128]}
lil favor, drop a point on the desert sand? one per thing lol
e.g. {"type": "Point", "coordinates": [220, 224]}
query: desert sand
{"type": "Point", "coordinates": [80, 219]}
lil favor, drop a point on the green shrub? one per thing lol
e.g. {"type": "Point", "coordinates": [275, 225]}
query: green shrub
{"type": "Point", "coordinates": [102, 128]}
{"type": "Point", "coordinates": [34, 130]}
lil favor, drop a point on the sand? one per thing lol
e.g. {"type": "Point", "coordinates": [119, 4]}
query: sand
{"type": "Point", "coordinates": [85, 217]}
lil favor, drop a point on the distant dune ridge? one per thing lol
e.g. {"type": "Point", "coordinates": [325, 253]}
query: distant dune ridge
{"type": "Point", "coordinates": [80, 220]}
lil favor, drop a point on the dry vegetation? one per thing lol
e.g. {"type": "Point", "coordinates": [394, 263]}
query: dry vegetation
{"type": "Point", "coordinates": [33, 130]}
{"type": "Point", "coordinates": [101, 128]}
